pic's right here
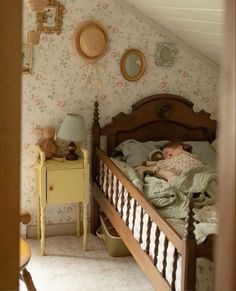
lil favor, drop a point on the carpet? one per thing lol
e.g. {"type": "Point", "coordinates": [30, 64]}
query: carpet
{"type": "Point", "coordinates": [66, 267]}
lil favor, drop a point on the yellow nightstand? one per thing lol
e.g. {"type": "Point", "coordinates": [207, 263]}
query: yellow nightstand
{"type": "Point", "coordinates": [60, 182]}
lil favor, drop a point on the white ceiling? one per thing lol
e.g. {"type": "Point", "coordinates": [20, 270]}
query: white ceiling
{"type": "Point", "coordinates": [198, 22]}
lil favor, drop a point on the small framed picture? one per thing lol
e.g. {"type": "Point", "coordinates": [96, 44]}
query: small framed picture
{"type": "Point", "coordinates": [165, 54]}
{"type": "Point", "coordinates": [27, 58]}
{"type": "Point", "coordinates": [50, 19]}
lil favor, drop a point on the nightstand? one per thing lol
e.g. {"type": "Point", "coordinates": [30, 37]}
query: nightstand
{"type": "Point", "coordinates": [60, 182]}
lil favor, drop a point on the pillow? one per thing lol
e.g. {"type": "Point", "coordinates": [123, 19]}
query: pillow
{"type": "Point", "coordinates": [136, 152]}
{"type": "Point", "coordinates": [204, 151]}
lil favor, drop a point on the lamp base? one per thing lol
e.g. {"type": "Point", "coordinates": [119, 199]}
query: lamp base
{"type": "Point", "coordinates": [72, 156]}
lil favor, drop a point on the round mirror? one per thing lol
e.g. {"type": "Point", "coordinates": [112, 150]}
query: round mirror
{"type": "Point", "coordinates": [132, 65]}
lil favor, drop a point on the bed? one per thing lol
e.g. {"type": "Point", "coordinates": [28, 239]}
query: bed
{"type": "Point", "coordinates": [160, 250]}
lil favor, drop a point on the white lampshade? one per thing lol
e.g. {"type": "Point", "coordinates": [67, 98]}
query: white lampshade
{"type": "Point", "coordinates": [72, 128]}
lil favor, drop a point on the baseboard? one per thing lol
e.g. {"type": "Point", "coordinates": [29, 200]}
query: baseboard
{"type": "Point", "coordinates": [55, 229]}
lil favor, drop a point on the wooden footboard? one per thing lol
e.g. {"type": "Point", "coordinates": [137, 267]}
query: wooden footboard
{"type": "Point", "coordinates": [120, 203]}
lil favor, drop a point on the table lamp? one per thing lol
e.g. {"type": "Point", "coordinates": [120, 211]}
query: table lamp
{"type": "Point", "coordinates": [72, 129]}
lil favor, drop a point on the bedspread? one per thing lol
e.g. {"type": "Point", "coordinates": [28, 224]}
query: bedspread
{"type": "Point", "coordinates": [171, 198]}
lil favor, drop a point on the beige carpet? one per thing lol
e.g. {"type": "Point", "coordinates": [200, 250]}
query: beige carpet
{"type": "Point", "coordinates": [66, 267]}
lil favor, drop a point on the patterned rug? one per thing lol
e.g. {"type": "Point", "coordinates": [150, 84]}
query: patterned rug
{"type": "Point", "coordinates": [67, 268]}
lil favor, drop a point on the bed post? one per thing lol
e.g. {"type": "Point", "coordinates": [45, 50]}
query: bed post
{"type": "Point", "coordinates": [189, 257]}
{"type": "Point", "coordinates": [95, 143]}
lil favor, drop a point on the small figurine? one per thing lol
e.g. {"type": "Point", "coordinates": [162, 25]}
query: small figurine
{"type": "Point", "coordinates": [47, 143]}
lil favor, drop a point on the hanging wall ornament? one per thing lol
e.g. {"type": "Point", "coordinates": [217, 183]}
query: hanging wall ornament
{"type": "Point", "coordinates": [90, 40]}
{"type": "Point", "coordinates": [33, 37]}
{"type": "Point", "coordinates": [165, 54]}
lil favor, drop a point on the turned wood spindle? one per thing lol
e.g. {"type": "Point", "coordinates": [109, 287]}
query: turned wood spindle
{"type": "Point", "coordinates": [189, 256]}
{"type": "Point", "coordinates": [149, 225]}
{"type": "Point", "coordinates": [122, 201]}
{"type": "Point", "coordinates": [157, 235]}
{"type": "Point", "coordinates": [107, 183]}
{"type": "Point", "coordinates": [141, 226]}
{"type": "Point", "coordinates": [174, 269]}
{"type": "Point", "coordinates": [95, 139]}
{"type": "Point", "coordinates": [134, 216]}
{"type": "Point", "coordinates": [128, 209]}
{"type": "Point", "coordinates": [117, 193]}
{"type": "Point", "coordinates": [165, 257]}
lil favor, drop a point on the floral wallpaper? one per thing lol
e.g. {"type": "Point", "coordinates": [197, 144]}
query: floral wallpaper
{"type": "Point", "coordinates": [57, 83]}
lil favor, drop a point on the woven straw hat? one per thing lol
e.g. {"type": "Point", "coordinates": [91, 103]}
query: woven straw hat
{"type": "Point", "coordinates": [90, 40]}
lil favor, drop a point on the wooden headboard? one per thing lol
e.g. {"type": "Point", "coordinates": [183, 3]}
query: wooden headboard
{"type": "Point", "coordinates": [157, 117]}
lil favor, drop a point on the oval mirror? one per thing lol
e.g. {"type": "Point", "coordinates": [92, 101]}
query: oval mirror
{"type": "Point", "coordinates": [132, 65]}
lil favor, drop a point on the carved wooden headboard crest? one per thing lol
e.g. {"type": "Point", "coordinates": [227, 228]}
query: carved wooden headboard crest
{"type": "Point", "coordinates": [157, 117]}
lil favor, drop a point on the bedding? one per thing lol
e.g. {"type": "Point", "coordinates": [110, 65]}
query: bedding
{"type": "Point", "coordinates": [205, 151]}
{"type": "Point", "coordinates": [135, 152]}
{"type": "Point", "coordinates": [180, 163]}
{"type": "Point", "coordinates": [171, 198]}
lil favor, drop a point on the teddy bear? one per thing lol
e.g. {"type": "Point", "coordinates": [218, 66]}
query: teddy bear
{"type": "Point", "coordinates": [47, 142]}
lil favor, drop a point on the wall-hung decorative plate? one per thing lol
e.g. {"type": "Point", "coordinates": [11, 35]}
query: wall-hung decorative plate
{"type": "Point", "coordinates": [165, 54]}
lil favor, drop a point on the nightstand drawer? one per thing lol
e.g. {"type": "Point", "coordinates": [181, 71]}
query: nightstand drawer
{"type": "Point", "coordinates": [64, 186]}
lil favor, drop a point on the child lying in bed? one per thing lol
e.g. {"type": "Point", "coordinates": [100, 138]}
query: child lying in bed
{"type": "Point", "coordinates": [177, 157]}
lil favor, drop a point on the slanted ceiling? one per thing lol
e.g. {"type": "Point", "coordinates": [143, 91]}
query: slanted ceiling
{"type": "Point", "coordinates": [198, 22]}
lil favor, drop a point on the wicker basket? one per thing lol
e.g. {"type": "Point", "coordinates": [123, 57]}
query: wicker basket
{"type": "Point", "coordinates": [114, 244]}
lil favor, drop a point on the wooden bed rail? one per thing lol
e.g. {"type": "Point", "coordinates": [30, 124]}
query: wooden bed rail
{"type": "Point", "coordinates": [116, 203]}
{"type": "Point", "coordinates": [185, 246]}
{"type": "Point", "coordinates": [170, 232]}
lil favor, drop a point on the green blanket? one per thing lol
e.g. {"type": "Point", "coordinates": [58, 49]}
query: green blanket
{"type": "Point", "coordinates": [171, 198]}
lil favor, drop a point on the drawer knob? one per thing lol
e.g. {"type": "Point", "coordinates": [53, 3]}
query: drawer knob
{"type": "Point", "coordinates": [51, 188]}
